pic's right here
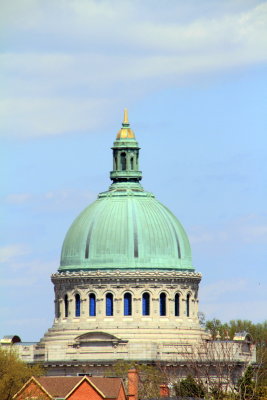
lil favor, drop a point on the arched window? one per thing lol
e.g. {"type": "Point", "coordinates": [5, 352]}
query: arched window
{"type": "Point", "coordinates": [127, 304]}
{"type": "Point", "coordinates": [162, 304]}
{"type": "Point", "coordinates": [177, 305]}
{"type": "Point", "coordinates": [66, 305]}
{"type": "Point", "coordinates": [77, 305]}
{"type": "Point", "coordinates": [132, 163]}
{"type": "Point", "coordinates": [146, 304]}
{"type": "Point", "coordinates": [188, 305]}
{"type": "Point", "coordinates": [123, 161]}
{"type": "Point", "coordinates": [92, 305]}
{"type": "Point", "coordinates": [109, 304]}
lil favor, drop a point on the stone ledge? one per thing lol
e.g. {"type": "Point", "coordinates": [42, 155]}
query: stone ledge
{"type": "Point", "coordinates": [128, 274]}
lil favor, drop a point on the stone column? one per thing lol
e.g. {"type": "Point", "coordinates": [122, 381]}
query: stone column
{"type": "Point", "coordinates": [100, 306]}
{"type": "Point", "coordinates": [128, 160]}
{"type": "Point", "coordinates": [57, 310]}
{"type": "Point", "coordinates": [71, 307]}
{"type": "Point", "coordinates": [183, 306]}
{"type": "Point", "coordinates": [136, 304]}
{"type": "Point", "coordinates": [170, 306]}
{"type": "Point", "coordinates": [154, 306]}
{"type": "Point", "coordinates": [84, 307]}
{"type": "Point", "coordinates": [60, 307]}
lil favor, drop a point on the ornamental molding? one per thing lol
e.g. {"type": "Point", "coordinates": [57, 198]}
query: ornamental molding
{"type": "Point", "coordinates": [126, 274]}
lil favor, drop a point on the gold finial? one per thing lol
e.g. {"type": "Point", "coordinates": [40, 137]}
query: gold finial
{"type": "Point", "coordinates": [125, 132]}
{"type": "Point", "coordinates": [125, 117]}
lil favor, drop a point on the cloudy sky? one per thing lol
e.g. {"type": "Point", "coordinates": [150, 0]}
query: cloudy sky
{"type": "Point", "coordinates": [193, 75]}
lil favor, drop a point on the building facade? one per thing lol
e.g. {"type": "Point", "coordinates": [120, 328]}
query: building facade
{"type": "Point", "coordinates": [126, 288]}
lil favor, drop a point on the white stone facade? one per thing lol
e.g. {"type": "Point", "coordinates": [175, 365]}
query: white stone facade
{"type": "Point", "coordinates": [129, 337]}
{"type": "Point", "coordinates": [136, 283]}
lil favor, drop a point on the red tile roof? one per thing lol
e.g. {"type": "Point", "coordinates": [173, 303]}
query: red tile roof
{"type": "Point", "coordinates": [108, 386]}
{"type": "Point", "coordinates": [60, 386]}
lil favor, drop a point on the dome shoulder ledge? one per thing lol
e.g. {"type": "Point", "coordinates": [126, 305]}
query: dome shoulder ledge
{"type": "Point", "coordinates": [127, 274]}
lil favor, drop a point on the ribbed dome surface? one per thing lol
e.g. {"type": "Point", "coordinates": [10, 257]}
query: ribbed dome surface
{"type": "Point", "coordinates": [126, 229]}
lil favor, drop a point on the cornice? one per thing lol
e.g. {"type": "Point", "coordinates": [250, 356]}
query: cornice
{"type": "Point", "coordinates": [127, 274]}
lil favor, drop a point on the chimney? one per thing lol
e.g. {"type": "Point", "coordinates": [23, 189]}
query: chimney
{"type": "Point", "coordinates": [164, 391]}
{"type": "Point", "coordinates": [132, 384]}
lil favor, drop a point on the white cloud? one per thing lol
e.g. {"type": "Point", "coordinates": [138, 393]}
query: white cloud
{"type": "Point", "coordinates": [68, 64]}
{"type": "Point", "coordinates": [46, 116]}
{"type": "Point", "coordinates": [54, 200]}
{"type": "Point", "coordinates": [36, 267]}
{"type": "Point", "coordinates": [216, 290]}
{"type": "Point", "coordinates": [198, 236]}
{"type": "Point", "coordinates": [18, 198]}
{"type": "Point", "coordinates": [12, 252]}
{"type": "Point", "coordinates": [68, 195]}
{"type": "Point", "coordinates": [234, 299]}
{"type": "Point", "coordinates": [255, 232]}
{"type": "Point", "coordinates": [250, 228]}
{"type": "Point", "coordinates": [254, 310]}
{"type": "Point", "coordinates": [26, 322]}
{"type": "Point", "coordinates": [17, 282]}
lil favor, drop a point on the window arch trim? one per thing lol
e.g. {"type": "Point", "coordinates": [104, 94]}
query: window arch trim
{"type": "Point", "coordinates": [109, 304]}
{"type": "Point", "coordinates": [127, 304]}
{"type": "Point", "coordinates": [163, 304]}
{"type": "Point", "coordinates": [188, 298]}
{"type": "Point", "coordinates": [66, 306]}
{"type": "Point", "coordinates": [146, 304]}
{"type": "Point", "coordinates": [77, 305]}
{"type": "Point", "coordinates": [92, 304]}
{"type": "Point", "coordinates": [177, 299]}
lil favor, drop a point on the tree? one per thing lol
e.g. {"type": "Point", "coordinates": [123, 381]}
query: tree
{"type": "Point", "coordinates": [201, 319]}
{"type": "Point", "coordinates": [258, 333]}
{"type": "Point", "coordinates": [188, 387]}
{"type": "Point", "coordinates": [217, 328]}
{"type": "Point", "coordinates": [246, 385]}
{"type": "Point", "coordinates": [150, 377]}
{"type": "Point", "coordinates": [215, 364]}
{"type": "Point", "coordinates": [14, 373]}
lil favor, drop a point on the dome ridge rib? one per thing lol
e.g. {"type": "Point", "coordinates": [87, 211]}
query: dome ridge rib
{"type": "Point", "coordinates": [135, 232]}
{"type": "Point", "coordinates": [173, 229]}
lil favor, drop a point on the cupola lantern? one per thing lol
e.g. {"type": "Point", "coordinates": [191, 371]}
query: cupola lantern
{"type": "Point", "coordinates": [125, 155]}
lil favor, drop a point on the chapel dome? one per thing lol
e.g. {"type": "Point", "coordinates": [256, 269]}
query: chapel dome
{"type": "Point", "coordinates": [126, 227]}
{"type": "Point", "coordinates": [129, 230]}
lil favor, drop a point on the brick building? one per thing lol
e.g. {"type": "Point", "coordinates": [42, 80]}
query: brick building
{"type": "Point", "coordinates": [72, 388]}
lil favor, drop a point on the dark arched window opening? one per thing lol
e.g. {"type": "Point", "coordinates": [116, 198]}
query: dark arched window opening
{"type": "Point", "coordinates": [177, 305]}
{"type": "Point", "coordinates": [109, 304]}
{"type": "Point", "coordinates": [146, 304]}
{"type": "Point", "coordinates": [127, 304]}
{"type": "Point", "coordinates": [92, 305]}
{"type": "Point", "coordinates": [66, 304]}
{"type": "Point", "coordinates": [162, 304]}
{"type": "Point", "coordinates": [123, 161]}
{"type": "Point", "coordinates": [132, 163]}
{"type": "Point", "coordinates": [77, 305]}
{"type": "Point", "coordinates": [188, 305]}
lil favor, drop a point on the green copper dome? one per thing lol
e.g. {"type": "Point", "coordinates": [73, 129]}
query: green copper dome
{"type": "Point", "coordinates": [126, 227]}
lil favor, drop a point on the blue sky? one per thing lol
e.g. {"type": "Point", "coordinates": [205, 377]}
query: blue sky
{"type": "Point", "coordinates": [194, 78]}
